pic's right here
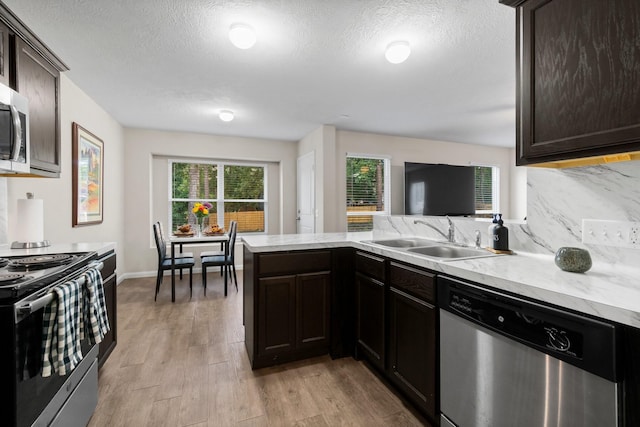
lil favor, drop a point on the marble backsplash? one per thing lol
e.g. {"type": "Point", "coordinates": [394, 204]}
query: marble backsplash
{"type": "Point", "coordinates": [557, 202]}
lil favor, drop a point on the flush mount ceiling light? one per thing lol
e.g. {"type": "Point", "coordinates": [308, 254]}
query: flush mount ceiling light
{"type": "Point", "coordinates": [242, 36]}
{"type": "Point", "coordinates": [397, 52]}
{"type": "Point", "coordinates": [226, 115]}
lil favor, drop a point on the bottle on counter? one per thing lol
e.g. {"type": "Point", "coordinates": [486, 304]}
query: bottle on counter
{"type": "Point", "coordinates": [499, 234]}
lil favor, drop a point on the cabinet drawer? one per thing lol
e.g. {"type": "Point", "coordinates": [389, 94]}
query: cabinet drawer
{"type": "Point", "coordinates": [293, 262]}
{"type": "Point", "coordinates": [370, 265]}
{"type": "Point", "coordinates": [413, 281]}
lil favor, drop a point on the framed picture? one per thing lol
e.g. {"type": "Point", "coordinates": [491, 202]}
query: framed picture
{"type": "Point", "coordinates": [87, 177]}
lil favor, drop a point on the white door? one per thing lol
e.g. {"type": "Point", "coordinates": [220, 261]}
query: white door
{"type": "Point", "coordinates": [306, 193]}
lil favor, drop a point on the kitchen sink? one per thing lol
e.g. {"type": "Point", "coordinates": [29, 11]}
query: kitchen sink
{"type": "Point", "coordinates": [409, 242]}
{"type": "Point", "coordinates": [450, 252]}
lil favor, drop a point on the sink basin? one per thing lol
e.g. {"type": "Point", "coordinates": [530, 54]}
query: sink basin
{"type": "Point", "coordinates": [450, 252]}
{"type": "Point", "coordinates": [408, 242]}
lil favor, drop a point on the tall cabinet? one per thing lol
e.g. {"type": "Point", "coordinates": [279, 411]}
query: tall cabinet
{"type": "Point", "coordinates": [577, 80]}
{"type": "Point", "coordinates": [28, 66]}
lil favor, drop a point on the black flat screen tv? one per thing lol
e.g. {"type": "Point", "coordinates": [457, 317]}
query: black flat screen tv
{"type": "Point", "coordinates": [439, 189]}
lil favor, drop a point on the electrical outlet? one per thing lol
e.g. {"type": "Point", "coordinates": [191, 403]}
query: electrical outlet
{"type": "Point", "coordinates": [622, 234]}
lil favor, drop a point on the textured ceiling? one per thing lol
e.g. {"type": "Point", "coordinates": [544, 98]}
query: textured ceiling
{"type": "Point", "coordinates": [169, 65]}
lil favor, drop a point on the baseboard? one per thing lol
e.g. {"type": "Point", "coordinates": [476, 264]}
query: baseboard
{"type": "Point", "coordinates": [142, 274]}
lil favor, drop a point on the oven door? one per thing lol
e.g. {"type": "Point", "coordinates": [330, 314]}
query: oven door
{"type": "Point", "coordinates": [33, 393]}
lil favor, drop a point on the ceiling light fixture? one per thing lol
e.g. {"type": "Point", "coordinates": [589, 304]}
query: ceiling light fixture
{"type": "Point", "coordinates": [226, 115]}
{"type": "Point", "coordinates": [397, 52]}
{"type": "Point", "coordinates": [242, 36]}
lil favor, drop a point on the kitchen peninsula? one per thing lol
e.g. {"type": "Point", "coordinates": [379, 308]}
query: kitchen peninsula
{"type": "Point", "coordinates": [345, 295]}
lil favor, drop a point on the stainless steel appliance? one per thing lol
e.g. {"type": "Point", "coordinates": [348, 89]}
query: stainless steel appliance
{"type": "Point", "coordinates": [28, 397]}
{"type": "Point", "coordinates": [14, 131]}
{"type": "Point", "coordinates": [507, 361]}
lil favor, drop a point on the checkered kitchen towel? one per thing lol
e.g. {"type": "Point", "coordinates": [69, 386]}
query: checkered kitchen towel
{"type": "Point", "coordinates": [62, 329]}
{"type": "Point", "coordinates": [96, 320]}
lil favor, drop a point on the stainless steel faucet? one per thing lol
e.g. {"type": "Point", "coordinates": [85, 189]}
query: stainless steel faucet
{"type": "Point", "coordinates": [451, 236]}
{"type": "Point", "coordinates": [478, 239]}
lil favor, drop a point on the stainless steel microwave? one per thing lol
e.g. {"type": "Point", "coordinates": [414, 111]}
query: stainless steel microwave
{"type": "Point", "coordinates": [14, 131]}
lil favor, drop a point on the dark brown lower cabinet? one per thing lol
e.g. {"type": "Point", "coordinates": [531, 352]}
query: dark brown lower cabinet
{"type": "Point", "coordinates": [412, 348]}
{"type": "Point", "coordinates": [111, 299]}
{"type": "Point", "coordinates": [287, 308]}
{"type": "Point", "coordinates": [370, 322]}
{"type": "Point", "coordinates": [413, 335]}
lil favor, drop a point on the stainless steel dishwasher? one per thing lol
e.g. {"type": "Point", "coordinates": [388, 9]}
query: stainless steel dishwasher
{"type": "Point", "coordinates": [507, 361]}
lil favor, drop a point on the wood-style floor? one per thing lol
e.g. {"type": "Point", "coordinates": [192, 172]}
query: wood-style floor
{"type": "Point", "coordinates": [185, 364]}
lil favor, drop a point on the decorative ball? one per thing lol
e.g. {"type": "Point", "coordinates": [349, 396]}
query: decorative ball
{"type": "Point", "coordinates": [575, 260]}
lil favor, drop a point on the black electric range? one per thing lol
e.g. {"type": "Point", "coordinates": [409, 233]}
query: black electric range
{"type": "Point", "coordinates": [21, 276]}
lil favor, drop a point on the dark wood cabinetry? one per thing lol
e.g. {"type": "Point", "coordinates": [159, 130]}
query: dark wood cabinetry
{"type": "Point", "coordinates": [5, 69]}
{"type": "Point", "coordinates": [578, 92]}
{"type": "Point", "coordinates": [110, 295]}
{"type": "Point", "coordinates": [29, 67]}
{"type": "Point", "coordinates": [39, 81]}
{"type": "Point", "coordinates": [412, 335]}
{"type": "Point", "coordinates": [286, 305]}
{"type": "Point", "coordinates": [370, 308]}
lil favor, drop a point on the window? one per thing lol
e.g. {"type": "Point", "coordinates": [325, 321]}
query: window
{"type": "Point", "coordinates": [367, 190]}
{"type": "Point", "coordinates": [236, 191]}
{"type": "Point", "coordinates": [487, 189]}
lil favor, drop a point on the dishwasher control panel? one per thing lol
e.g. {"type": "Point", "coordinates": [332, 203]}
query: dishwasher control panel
{"type": "Point", "coordinates": [517, 321]}
{"type": "Point", "coordinates": [575, 338]}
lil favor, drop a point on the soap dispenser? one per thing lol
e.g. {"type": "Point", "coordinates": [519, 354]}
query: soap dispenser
{"type": "Point", "coordinates": [499, 234]}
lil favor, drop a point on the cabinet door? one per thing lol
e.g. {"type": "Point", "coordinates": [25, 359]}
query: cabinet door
{"type": "Point", "coordinates": [370, 319]}
{"type": "Point", "coordinates": [5, 68]}
{"type": "Point", "coordinates": [412, 348]}
{"type": "Point", "coordinates": [276, 315]}
{"type": "Point", "coordinates": [39, 82]}
{"type": "Point", "coordinates": [578, 91]}
{"type": "Point", "coordinates": [312, 306]}
{"type": "Point", "coordinates": [111, 300]}
{"type": "Point", "coordinates": [109, 341]}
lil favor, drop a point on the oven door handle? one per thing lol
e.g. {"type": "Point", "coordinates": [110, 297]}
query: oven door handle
{"type": "Point", "coordinates": [41, 302]}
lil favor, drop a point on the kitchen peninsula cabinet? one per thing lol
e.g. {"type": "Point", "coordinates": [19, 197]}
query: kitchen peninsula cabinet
{"type": "Point", "coordinates": [577, 80]}
{"type": "Point", "coordinates": [370, 308]}
{"type": "Point", "coordinates": [32, 69]}
{"type": "Point", "coordinates": [286, 305]}
{"type": "Point", "coordinates": [413, 334]}
{"type": "Point", "coordinates": [110, 296]}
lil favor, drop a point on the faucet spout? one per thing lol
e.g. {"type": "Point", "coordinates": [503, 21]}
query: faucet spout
{"type": "Point", "coordinates": [451, 232]}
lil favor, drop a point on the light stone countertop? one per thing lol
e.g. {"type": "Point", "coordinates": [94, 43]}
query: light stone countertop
{"type": "Point", "coordinates": [607, 291]}
{"type": "Point", "coordinates": [58, 248]}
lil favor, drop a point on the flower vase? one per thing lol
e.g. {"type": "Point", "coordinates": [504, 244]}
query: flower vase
{"type": "Point", "coordinates": [199, 228]}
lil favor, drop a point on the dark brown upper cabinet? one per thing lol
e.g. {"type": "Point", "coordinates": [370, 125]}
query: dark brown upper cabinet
{"type": "Point", "coordinates": [28, 66]}
{"type": "Point", "coordinates": [5, 70]}
{"type": "Point", "coordinates": [578, 81]}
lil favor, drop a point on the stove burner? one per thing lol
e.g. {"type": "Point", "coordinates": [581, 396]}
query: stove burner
{"type": "Point", "coordinates": [3, 262]}
{"type": "Point", "coordinates": [8, 279]}
{"type": "Point", "coordinates": [40, 261]}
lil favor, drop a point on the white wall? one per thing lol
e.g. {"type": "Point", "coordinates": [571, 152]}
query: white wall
{"type": "Point", "coordinates": [402, 150]}
{"type": "Point", "coordinates": [322, 141]}
{"type": "Point", "coordinates": [145, 160]}
{"type": "Point", "coordinates": [76, 106]}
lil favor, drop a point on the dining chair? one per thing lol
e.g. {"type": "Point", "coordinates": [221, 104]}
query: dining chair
{"type": "Point", "coordinates": [164, 262]}
{"type": "Point", "coordinates": [232, 229]}
{"type": "Point", "coordinates": [225, 260]}
{"type": "Point", "coordinates": [179, 254]}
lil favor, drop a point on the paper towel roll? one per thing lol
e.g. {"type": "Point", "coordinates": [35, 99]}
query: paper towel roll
{"type": "Point", "coordinates": [30, 220]}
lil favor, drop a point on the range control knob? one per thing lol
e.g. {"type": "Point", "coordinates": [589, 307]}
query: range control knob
{"type": "Point", "coordinates": [558, 340]}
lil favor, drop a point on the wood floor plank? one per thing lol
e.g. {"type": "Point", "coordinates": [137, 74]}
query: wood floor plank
{"type": "Point", "coordinates": [185, 364]}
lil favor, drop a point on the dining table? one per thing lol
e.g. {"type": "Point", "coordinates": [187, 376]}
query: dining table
{"type": "Point", "coordinates": [192, 239]}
